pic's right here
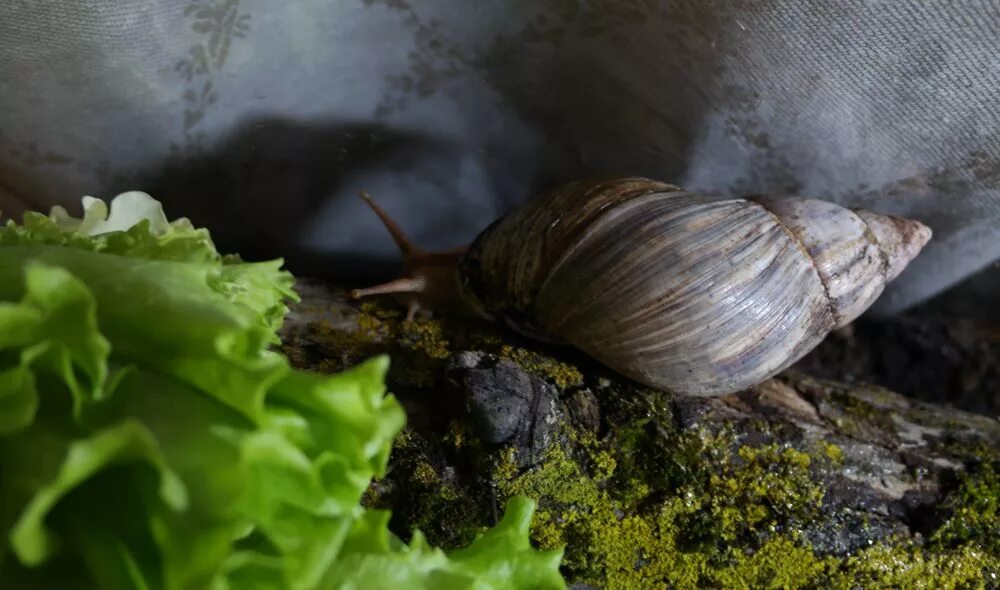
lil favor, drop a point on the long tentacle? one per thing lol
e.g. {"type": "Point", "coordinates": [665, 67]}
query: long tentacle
{"type": "Point", "coordinates": [407, 247]}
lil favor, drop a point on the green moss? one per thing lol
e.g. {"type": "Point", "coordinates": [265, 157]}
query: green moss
{"type": "Point", "coordinates": [908, 566]}
{"type": "Point", "coordinates": [420, 349]}
{"type": "Point", "coordinates": [780, 563]}
{"type": "Point", "coordinates": [562, 374]}
{"type": "Point", "coordinates": [343, 348]}
{"type": "Point", "coordinates": [605, 464]}
{"type": "Point", "coordinates": [506, 466]}
{"type": "Point", "coordinates": [643, 540]}
{"type": "Point", "coordinates": [964, 449]}
{"type": "Point", "coordinates": [647, 505]}
{"type": "Point", "coordinates": [974, 511]}
{"type": "Point", "coordinates": [726, 514]}
{"type": "Point", "coordinates": [421, 496]}
{"type": "Point", "coordinates": [458, 437]}
{"type": "Point", "coordinates": [422, 335]}
{"type": "Point", "coordinates": [858, 412]}
{"type": "Point", "coordinates": [833, 452]}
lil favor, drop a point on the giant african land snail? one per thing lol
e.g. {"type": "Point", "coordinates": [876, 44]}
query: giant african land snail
{"type": "Point", "coordinates": [695, 294]}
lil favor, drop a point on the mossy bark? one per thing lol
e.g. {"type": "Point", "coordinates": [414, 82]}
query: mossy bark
{"type": "Point", "coordinates": [796, 483]}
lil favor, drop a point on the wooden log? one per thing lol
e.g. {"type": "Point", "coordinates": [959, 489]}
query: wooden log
{"type": "Point", "coordinates": [799, 482]}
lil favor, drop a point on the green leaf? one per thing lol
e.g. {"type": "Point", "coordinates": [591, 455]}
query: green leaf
{"type": "Point", "coordinates": [18, 399]}
{"type": "Point", "coordinates": [53, 327]}
{"type": "Point", "coordinates": [128, 441]}
{"type": "Point", "coordinates": [500, 558]}
{"type": "Point", "coordinates": [151, 439]}
{"type": "Point", "coordinates": [165, 315]}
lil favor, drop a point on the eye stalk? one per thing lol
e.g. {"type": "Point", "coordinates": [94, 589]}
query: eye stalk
{"type": "Point", "coordinates": [429, 280]}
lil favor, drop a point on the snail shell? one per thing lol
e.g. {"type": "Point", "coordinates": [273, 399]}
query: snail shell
{"type": "Point", "coordinates": [691, 293]}
{"type": "Point", "coordinates": [696, 294]}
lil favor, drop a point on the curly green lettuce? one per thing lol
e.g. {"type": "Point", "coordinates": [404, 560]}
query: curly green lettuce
{"type": "Point", "coordinates": [151, 438]}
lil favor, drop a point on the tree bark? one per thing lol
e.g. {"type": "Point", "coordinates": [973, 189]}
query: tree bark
{"type": "Point", "coordinates": [796, 482]}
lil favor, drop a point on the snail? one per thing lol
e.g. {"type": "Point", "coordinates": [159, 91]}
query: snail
{"type": "Point", "coordinates": [694, 294]}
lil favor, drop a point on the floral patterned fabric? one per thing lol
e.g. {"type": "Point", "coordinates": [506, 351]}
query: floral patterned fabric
{"type": "Point", "coordinates": [263, 119]}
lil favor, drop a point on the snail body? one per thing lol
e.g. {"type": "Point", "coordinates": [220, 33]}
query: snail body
{"type": "Point", "coordinates": [695, 294]}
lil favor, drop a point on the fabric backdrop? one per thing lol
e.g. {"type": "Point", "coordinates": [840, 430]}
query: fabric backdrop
{"type": "Point", "coordinates": [262, 119]}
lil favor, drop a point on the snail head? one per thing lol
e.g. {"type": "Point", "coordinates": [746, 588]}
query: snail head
{"type": "Point", "coordinates": [429, 279]}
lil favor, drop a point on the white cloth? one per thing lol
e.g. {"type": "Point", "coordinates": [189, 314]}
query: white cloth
{"type": "Point", "coordinates": [262, 119]}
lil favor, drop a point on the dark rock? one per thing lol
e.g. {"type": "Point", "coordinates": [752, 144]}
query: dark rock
{"type": "Point", "coordinates": [918, 510]}
{"type": "Point", "coordinates": [847, 531]}
{"type": "Point", "coordinates": [498, 397]}
{"type": "Point", "coordinates": [848, 494]}
{"type": "Point", "coordinates": [505, 404]}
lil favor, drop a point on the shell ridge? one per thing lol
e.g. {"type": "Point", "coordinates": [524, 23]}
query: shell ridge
{"type": "Point", "coordinates": [805, 252]}
{"type": "Point", "coordinates": [773, 317]}
{"type": "Point", "coordinates": [509, 291]}
{"type": "Point", "coordinates": [645, 255]}
{"type": "Point", "coordinates": [579, 229]}
{"type": "Point", "coordinates": [748, 289]}
{"type": "Point", "coordinates": [677, 300]}
{"type": "Point", "coordinates": [871, 237]}
{"type": "Point", "coordinates": [584, 239]}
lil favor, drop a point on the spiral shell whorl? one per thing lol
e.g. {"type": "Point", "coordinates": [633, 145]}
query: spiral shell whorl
{"type": "Point", "coordinates": [697, 294]}
{"type": "Point", "coordinates": [900, 239]}
{"type": "Point", "coordinates": [704, 295]}
{"type": "Point", "coordinates": [855, 252]}
{"type": "Point", "coordinates": [505, 266]}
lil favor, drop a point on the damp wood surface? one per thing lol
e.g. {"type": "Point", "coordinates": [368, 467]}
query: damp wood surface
{"type": "Point", "coordinates": [817, 478]}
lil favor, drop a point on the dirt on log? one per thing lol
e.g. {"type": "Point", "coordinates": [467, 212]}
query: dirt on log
{"type": "Point", "coordinates": [799, 482]}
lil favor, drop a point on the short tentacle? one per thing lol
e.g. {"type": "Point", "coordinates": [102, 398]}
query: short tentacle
{"type": "Point", "coordinates": [400, 285]}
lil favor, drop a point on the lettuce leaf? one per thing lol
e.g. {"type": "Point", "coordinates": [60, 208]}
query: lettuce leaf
{"type": "Point", "coordinates": [151, 438]}
{"type": "Point", "coordinates": [500, 558]}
